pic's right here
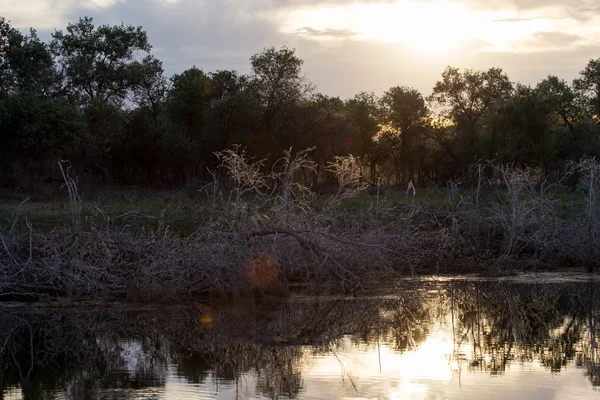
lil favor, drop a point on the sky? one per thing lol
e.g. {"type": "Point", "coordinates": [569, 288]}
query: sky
{"type": "Point", "coordinates": [349, 46]}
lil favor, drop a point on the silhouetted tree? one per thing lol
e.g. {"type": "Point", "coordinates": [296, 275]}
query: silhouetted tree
{"type": "Point", "coordinates": [364, 112]}
{"type": "Point", "coordinates": [588, 86]}
{"type": "Point", "coordinates": [280, 85]}
{"type": "Point", "coordinates": [469, 96]}
{"type": "Point", "coordinates": [96, 95]}
{"type": "Point", "coordinates": [404, 111]}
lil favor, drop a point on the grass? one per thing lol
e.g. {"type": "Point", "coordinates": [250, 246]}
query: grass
{"type": "Point", "coordinates": [184, 211]}
{"type": "Point", "coordinates": [252, 235]}
{"type": "Point", "coordinates": [183, 215]}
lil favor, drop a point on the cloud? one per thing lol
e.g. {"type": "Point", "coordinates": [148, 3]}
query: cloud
{"type": "Point", "coordinates": [586, 13]}
{"type": "Point", "coordinates": [556, 38]}
{"type": "Point", "coordinates": [47, 14]}
{"type": "Point", "coordinates": [590, 10]}
{"type": "Point", "coordinates": [223, 34]}
{"type": "Point", "coordinates": [524, 5]}
{"type": "Point", "coordinates": [513, 19]}
{"type": "Point", "coordinates": [326, 33]}
{"type": "Point", "coordinates": [93, 4]}
{"type": "Point", "coordinates": [573, 9]}
{"type": "Point", "coordinates": [209, 34]}
{"type": "Point", "coordinates": [531, 67]}
{"type": "Point", "coordinates": [549, 41]}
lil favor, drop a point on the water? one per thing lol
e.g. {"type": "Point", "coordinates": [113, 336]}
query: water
{"type": "Point", "coordinates": [417, 339]}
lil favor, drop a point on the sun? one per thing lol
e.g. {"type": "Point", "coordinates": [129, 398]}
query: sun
{"type": "Point", "coordinates": [427, 26]}
{"type": "Point", "coordinates": [433, 26]}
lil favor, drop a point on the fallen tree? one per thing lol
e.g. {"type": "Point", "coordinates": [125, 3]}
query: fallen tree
{"type": "Point", "coordinates": [273, 229]}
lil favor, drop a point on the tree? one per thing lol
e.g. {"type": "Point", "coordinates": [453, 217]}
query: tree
{"type": "Point", "coordinates": [323, 122]}
{"type": "Point", "coordinates": [438, 150]}
{"type": "Point", "coordinates": [525, 121]}
{"type": "Point", "coordinates": [36, 124]}
{"type": "Point", "coordinates": [35, 130]}
{"type": "Point", "coordinates": [561, 100]}
{"type": "Point", "coordinates": [280, 85]}
{"type": "Point", "coordinates": [468, 96]}
{"type": "Point", "coordinates": [103, 63]}
{"type": "Point", "coordinates": [189, 97]}
{"type": "Point", "coordinates": [588, 86]}
{"type": "Point", "coordinates": [363, 111]}
{"type": "Point", "coordinates": [26, 64]}
{"type": "Point", "coordinates": [234, 110]}
{"type": "Point", "coordinates": [152, 87]}
{"type": "Point", "coordinates": [404, 111]}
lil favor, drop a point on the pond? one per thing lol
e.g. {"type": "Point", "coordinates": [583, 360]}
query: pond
{"type": "Point", "coordinates": [530, 337]}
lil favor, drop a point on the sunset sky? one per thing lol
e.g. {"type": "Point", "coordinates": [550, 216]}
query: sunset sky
{"type": "Point", "coordinates": [349, 46]}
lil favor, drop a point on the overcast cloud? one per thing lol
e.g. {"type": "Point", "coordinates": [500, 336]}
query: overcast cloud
{"type": "Point", "coordinates": [343, 53]}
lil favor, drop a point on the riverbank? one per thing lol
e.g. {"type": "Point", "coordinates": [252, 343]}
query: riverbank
{"type": "Point", "coordinates": [260, 234]}
{"type": "Point", "coordinates": [134, 255]}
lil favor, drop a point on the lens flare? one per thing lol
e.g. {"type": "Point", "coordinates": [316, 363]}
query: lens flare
{"type": "Point", "coordinates": [261, 270]}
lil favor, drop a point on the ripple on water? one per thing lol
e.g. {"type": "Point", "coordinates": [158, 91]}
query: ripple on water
{"type": "Point", "coordinates": [427, 338]}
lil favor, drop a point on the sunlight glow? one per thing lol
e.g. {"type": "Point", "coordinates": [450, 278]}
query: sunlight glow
{"type": "Point", "coordinates": [426, 26]}
{"type": "Point", "coordinates": [408, 374]}
{"type": "Point", "coordinates": [429, 361]}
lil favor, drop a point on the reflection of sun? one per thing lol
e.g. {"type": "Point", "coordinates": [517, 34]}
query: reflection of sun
{"type": "Point", "coordinates": [412, 371]}
{"type": "Point", "coordinates": [430, 360]}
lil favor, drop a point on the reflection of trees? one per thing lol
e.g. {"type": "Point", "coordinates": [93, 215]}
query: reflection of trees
{"type": "Point", "coordinates": [81, 353]}
{"type": "Point", "coordinates": [83, 350]}
{"type": "Point", "coordinates": [588, 356]}
{"type": "Point", "coordinates": [505, 322]}
{"type": "Point", "coordinates": [492, 325]}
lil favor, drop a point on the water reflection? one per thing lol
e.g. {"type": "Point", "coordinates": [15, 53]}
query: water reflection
{"type": "Point", "coordinates": [421, 339]}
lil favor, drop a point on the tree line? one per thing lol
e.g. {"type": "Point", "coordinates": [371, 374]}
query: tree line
{"type": "Point", "coordinates": [97, 96]}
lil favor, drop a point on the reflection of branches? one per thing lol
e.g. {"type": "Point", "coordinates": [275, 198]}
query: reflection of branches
{"type": "Point", "coordinates": [523, 321]}
{"type": "Point", "coordinates": [494, 324]}
{"type": "Point", "coordinates": [345, 372]}
{"type": "Point", "coordinates": [86, 347]}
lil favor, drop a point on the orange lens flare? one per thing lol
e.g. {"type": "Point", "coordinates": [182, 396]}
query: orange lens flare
{"type": "Point", "coordinates": [261, 270]}
{"type": "Point", "coordinates": [207, 315]}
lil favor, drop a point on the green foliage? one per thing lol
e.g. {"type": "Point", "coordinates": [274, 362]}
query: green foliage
{"type": "Point", "coordinates": [277, 75]}
{"type": "Point", "coordinates": [469, 97]}
{"type": "Point", "coordinates": [280, 86]}
{"type": "Point", "coordinates": [188, 100]}
{"type": "Point", "coordinates": [26, 64]}
{"type": "Point", "coordinates": [100, 63]}
{"type": "Point", "coordinates": [363, 112]}
{"type": "Point", "coordinates": [96, 95]}
{"type": "Point", "coordinates": [234, 110]}
{"type": "Point", "coordinates": [34, 127]}
{"type": "Point", "coordinates": [588, 87]}
{"type": "Point", "coordinates": [404, 112]}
